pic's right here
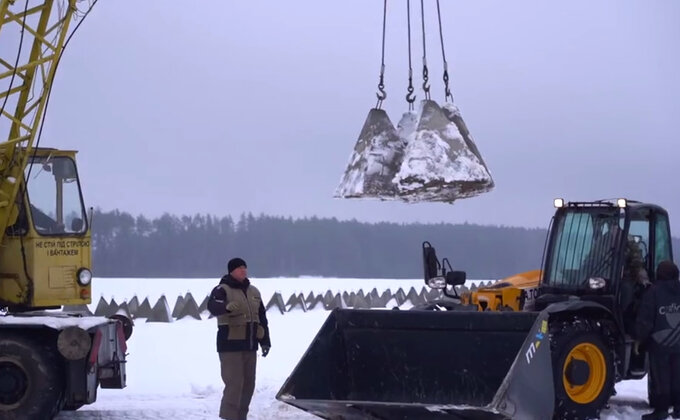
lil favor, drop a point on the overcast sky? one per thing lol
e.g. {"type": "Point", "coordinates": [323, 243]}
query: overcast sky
{"type": "Point", "coordinates": [223, 107]}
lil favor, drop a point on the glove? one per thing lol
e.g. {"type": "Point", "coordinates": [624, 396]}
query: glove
{"type": "Point", "coordinates": [265, 351]}
{"type": "Point", "coordinates": [234, 306]}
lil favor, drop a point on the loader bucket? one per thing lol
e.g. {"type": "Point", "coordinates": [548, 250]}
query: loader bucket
{"type": "Point", "coordinates": [379, 364]}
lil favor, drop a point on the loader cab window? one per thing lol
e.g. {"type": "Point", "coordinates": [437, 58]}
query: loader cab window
{"type": "Point", "coordinates": [662, 241]}
{"type": "Point", "coordinates": [583, 247]}
{"type": "Point", "coordinates": [54, 196]}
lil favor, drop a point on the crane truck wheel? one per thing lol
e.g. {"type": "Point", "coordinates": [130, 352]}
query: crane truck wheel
{"type": "Point", "coordinates": [583, 370]}
{"type": "Point", "coordinates": [30, 380]}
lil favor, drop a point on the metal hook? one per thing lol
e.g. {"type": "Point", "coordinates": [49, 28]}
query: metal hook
{"type": "Point", "coordinates": [381, 94]}
{"type": "Point", "coordinates": [410, 97]}
{"type": "Point", "coordinates": [426, 86]}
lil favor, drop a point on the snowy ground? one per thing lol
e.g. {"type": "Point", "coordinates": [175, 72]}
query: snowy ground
{"type": "Point", "coordinates": [173, 369]}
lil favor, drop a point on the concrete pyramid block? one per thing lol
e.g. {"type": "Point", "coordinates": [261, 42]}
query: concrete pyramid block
{"type": "Point", "coordinates": [133, 305]}
{"type": "Point", "coordinates": [276, 301]}
{"type": "Point", "coordinates": [361, 303]}
{"type": "Point", "coordinates": [316, 303]}
{"type": "Point", "coordinates": [161, 311]}
{"type": "Point", "coordinates": [113, 307]}
{"type": "Point", "coordinates": [336, 302]}
{"type": "Point", "coordinates": [144, 310]}
{"type": "Point", "coordinates": [296, 303]}
{"type": "Point", "coordinates": [400, 296]}
{"type": "Point", "coordinates": [102, 307]}
{"type": "Point", "coordinates": [204, 305]}
{"type": "Point", "coordinates": [189, 308]}
{"type": "Point", "coordinates": [179, 305]}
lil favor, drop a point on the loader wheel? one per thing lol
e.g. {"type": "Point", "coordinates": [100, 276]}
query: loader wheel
{"type": "Point", "coordinates": [30, 380]}
{"type": "Point", "coordinates": [583, 369]}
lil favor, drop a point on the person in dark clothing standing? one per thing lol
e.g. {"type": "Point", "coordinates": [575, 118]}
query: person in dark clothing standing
{"type": "Point", "coordinates": [241, 326]}
{"type": "Point", "coordinates": [658, 329]}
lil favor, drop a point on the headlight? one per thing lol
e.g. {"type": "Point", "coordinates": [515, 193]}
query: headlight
{"type": "Point", "coordinates": [84, 276]}
{"type": "Point", "coordinates": [597, 282]}
{"type": "Point", "coordinates": [437, 283]}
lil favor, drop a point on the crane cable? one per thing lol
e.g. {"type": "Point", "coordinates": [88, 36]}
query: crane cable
{"type": "Point", "coordinates": [447, 91]}
{"type": "Point", "coordinates": [426, 87]}
{"type": "Point", "coordinates": [381, 84]}
{"type": "Point", "coordinates": [410, 98]}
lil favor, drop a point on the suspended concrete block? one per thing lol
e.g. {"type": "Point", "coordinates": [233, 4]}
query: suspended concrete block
{"type": "Point", "coordinates": [189, 308]}
{"type": "Point", "coordinates": [276, 301]}
{"type": "Point", "coordinates": [374, 162]}
{"type": "Point", "coordinates": [452, 112]}
{"type": "Point", "coordinates": [161, 311]}
{"type": "Point", "coordinates": [437, 165]}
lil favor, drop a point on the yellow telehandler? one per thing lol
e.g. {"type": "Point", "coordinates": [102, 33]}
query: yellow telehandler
{"type": "Point", "coordinates": [558, 357]}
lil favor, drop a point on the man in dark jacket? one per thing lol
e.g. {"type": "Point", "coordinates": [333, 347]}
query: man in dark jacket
{"type": "Point", "coordinates": [658, 329]}
{"type": "Point", "coordinates": [241, 326]}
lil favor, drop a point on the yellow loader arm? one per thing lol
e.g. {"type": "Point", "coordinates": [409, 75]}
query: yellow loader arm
{"type": "Point", "coordinates": [510, 293]}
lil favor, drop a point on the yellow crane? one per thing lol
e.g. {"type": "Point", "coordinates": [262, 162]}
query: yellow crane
{"type": "Point", "coordinates": [49, 360]}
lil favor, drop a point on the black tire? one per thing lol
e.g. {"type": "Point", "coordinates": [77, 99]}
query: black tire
{"type": "Point", "coordinates": [30, 380]}
{"type": "Point", "coordinates": [583, 372]}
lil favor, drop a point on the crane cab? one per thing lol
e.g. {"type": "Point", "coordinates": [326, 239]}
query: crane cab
{"type": "Point", "coordinates": [46, 256]}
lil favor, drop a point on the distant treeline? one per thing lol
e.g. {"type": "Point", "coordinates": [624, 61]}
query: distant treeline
{"type": "Point", "coordinates": [201, 245]}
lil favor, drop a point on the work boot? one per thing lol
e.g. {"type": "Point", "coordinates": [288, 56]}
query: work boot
{"type": "Point", "coordinates": [657, 414]}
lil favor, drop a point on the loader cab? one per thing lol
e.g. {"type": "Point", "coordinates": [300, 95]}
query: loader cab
{"type": "Point", "coordinates": [603, 250]}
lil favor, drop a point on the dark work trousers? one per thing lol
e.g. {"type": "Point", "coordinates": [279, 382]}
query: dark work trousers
{"type": "Point", "coordinates": [664, 379]}
{"type": "Point", "coordinates": [238, 375]}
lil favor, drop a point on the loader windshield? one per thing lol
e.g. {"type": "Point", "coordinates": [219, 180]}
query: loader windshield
{"type": "Point", "coordinates": [584, 246]}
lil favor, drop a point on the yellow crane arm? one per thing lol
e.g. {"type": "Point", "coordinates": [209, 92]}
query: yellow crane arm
{"type": "Point", "coordinates": [26, 76]}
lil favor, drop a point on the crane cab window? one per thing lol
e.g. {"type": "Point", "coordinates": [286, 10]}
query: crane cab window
{"type": "Point", "coordinates": [54, 196]}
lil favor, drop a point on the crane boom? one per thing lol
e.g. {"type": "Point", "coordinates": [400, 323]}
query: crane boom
{"type": "Point", "coordinates": [25, 83]}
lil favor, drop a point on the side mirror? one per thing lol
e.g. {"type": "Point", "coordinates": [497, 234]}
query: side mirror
{"type": "Point", "coordinates": [456, 278]}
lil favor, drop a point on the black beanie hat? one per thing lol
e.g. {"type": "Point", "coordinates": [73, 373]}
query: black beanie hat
{"type": "Point", "coordinates": [235, 263]}
{"type": "Point", "coordinates": [667, 270]}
